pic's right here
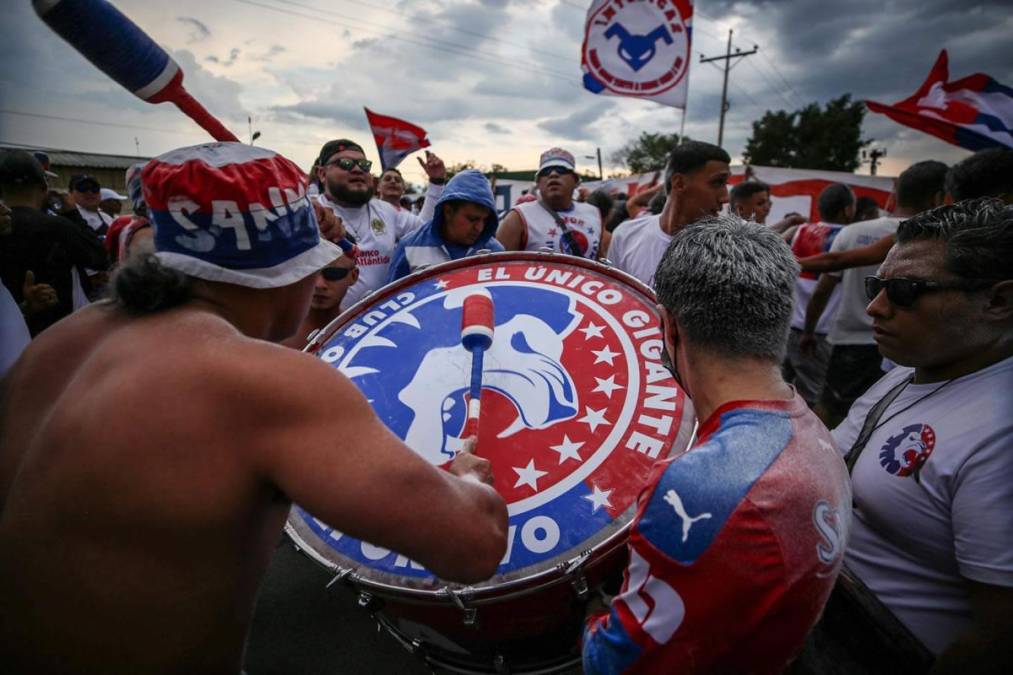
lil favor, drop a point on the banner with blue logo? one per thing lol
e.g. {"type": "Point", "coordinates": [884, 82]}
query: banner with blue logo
{"type": "Point", "coordinates": [638, 49]}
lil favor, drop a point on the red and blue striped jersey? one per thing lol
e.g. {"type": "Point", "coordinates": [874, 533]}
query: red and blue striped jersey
{"type": "Point", "coordinates": [734, 549]}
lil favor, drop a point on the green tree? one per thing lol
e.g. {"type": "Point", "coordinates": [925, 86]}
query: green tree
{"type": "Point", "coordinates": [647, 153]}
{"type": "Point", "coordinates": [828, 138]}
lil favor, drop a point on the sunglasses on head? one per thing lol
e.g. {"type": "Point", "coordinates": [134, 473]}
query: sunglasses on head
{"type": "Point", "coordinates": [334, 273]}
{"type": "Point", "coordinates": [548, 171]}
{"type": "Point", "coordinates": [347, 163]}
{"type": "Point", "coordinates": [903, 292]}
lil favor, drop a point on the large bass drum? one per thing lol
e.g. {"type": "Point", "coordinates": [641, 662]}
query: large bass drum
{"type": "Point", "coordinates": [576, 410]}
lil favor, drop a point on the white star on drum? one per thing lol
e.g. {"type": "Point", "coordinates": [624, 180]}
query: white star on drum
{"type": "Point", "coordinates": [598, 498]}
{"type": "Point", "coordinates": [528, 475]}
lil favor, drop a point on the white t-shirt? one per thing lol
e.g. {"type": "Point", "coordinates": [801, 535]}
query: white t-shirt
{"type": "Point", "coordinates": [851, 325]}
{"type": "Point", "coordinates": [96, 219]}
{"type": "Point", "coordinates": [638, 246]}
{"type": "Point", "coordinates": [377, 227]}
{"type": "Point", "coordinates": [914, 543]}
{"type": "Point", "coordinates": [14, 335]}
{"type": "Point", "coordinates": [541, 229]}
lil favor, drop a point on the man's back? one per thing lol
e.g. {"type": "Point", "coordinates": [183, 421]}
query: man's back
{"type": "Point", "coordinates": [90, 451]}
{"type": "Point", "coordinates": [812, 239]}
{"type": "Point", "coordinates": [739, 541]}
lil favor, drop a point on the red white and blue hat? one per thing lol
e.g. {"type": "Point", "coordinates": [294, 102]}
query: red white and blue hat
{"type": "Point", "coordinates": [556, 157]}
{"type": "Point", "coordinates": [234, 213]}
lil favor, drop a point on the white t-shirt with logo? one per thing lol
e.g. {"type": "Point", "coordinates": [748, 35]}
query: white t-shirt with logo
{"type": "Point", "coordinates": [851, 325]}
{"type": "Point", "coordinates": [915, 542]}
{"type": "Point", "coordinates": [638, 246]}
{"type": "Point", "coordinates": [542, 230]}
{"type": "Point", "coordinates": [377, 227]}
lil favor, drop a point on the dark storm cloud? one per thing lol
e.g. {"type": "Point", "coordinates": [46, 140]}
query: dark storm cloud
{"type": "Point", "coordinates": [578, 125]}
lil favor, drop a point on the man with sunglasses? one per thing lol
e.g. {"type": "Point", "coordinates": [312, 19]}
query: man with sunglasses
{"type": "Point", "coordinates": [855, 363]}
{"type": "Point", "coordinates": [329, 289]}
{"type": "Point", "coordinates": [86, 195]}
{"type": "Point", "coordinates": [933, 479]}
{"type": "Point", "coordinates": [376, 226]}
{"type": "Point", "coordinates": [554, 220]}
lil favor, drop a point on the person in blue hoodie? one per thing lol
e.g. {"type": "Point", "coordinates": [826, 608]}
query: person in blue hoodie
{"type": "Point", "coordinates": [463, 224]}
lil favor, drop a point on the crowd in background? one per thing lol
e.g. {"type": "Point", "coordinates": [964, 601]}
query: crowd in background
{"type": "Point", "coordinates": [901, 334]}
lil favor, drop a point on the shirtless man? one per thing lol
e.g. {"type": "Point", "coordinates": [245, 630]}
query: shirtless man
{"type": "Point", "coordinates": [135, 543]}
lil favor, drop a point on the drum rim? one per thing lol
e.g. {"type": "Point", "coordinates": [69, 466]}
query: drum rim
{"type": "Point", "coordinates": [328, 331]}
{"type": "Point", "coordinates": [549, 576]}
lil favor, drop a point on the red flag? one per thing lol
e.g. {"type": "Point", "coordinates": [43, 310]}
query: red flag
{"type": "Point", "coordinates": [974, 112]}
{"type": "Point", "coordinates": [395, 138]}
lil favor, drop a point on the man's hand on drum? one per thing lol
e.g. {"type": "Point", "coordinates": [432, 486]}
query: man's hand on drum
{"type": "Point", "coordinates": [331, 227]}
{"type": "Point", "coordinates": [468, 465]}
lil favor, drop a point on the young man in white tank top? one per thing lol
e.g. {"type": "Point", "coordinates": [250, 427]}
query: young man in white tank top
{"type": "Point", "coordinates": [555, 220]}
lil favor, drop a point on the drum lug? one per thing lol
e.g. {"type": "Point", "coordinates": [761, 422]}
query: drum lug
{"type": "Point", "coordinates": [499, 664]}
{"type": "Point", "coordinates": [470, 613]}
{"type": "Point", "coordinates": [579, 583]}
{"type": "Point", "coordinates": [367, 601]}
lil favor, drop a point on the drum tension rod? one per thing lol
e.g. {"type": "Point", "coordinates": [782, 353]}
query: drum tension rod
{"type": "Point", "coordinates": [458, 598]}
{"type": "Point", "coordinates": [340, 576]}
{"type": "Point", "coordinates": [576, 576]}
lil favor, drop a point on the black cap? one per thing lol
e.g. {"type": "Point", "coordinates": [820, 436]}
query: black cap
{"type": "Point", "coordinates": [18, 169]}
{"type": "Point", "coordinates": [332, 147]}
{"type": "Point", "coordinates": [80, 180]}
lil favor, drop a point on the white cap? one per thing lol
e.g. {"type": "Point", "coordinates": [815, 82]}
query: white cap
{"type": "Point", "coordinates": [108, 193]}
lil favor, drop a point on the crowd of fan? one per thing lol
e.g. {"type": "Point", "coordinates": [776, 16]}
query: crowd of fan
{"type": "Point", "coordinates": [901, 338]}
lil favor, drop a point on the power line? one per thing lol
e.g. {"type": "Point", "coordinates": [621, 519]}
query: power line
{"type": "Point", "coordinates": [727, 58]}
{"type": "Point", "coordinates": [101, 124]}
{"type": "Point", "coordinates": [458, 29]}
{"type": "Point", "coordinates": [429, 43]}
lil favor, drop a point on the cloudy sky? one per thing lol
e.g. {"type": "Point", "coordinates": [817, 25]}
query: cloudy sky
{"type": "Point", "coordinates": [491, 80]}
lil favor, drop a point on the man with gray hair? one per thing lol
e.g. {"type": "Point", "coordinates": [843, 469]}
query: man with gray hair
{"type": "Point", "coordinates": [738, 541]}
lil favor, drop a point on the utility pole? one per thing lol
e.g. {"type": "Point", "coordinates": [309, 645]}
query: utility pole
{"type": "Point", "coordinates": [727, 58]}
{"type": "Point", "coordinates": [874, 156]}
{"type": "Point", "coordinates": [601, 176]}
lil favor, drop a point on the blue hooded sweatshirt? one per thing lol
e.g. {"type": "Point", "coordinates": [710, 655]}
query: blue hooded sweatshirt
{"type": "Point", "coordinates": [426, 246]}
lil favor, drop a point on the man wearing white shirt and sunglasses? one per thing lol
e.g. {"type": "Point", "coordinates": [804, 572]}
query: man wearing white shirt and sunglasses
{"type": "Point", "coordinates": [375, 225]}
{"type": "Point", "coordinates": [930, 443]}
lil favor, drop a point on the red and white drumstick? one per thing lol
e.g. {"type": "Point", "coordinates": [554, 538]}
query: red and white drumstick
{"type": "Point", "coordinates": [477, 321]}
{"type": "Point", "coordinates": [124, 52]}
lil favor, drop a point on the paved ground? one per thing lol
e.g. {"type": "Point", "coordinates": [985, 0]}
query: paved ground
{"type": "Point", "coordinates": [302, 628]}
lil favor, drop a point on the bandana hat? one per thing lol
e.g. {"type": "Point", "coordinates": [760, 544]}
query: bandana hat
{"type": "Point", "coordinates": [134, 191]}
{"type": "Point", "coordinates": [234, 213]}
{"type": "Point", "coordinates": [556, 157]}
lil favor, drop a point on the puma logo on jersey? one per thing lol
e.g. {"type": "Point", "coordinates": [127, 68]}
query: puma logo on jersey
{"type": "Point", "coordinates": [672, 497]}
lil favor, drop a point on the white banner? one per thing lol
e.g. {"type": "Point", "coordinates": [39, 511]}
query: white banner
{"type": "Point", "coordinates": [639, 49]}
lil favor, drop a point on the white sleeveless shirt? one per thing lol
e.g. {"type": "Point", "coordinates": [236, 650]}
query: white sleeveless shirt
{"type": "Point", "coordinates": [541, 229]}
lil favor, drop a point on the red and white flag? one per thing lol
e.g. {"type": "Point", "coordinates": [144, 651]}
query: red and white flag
{"type": "Point", "coordinates": [639, 49]}
{"type": "Point", "coordinates": [395, 138]}
{"type": "Point", "coordinates": [974, 112]}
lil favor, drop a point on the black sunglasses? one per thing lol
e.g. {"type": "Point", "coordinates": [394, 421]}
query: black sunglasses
{"type": "Point", "coordinates": [88, 187]}
{"type": "Point", "coordinates": [347, 163]}
{"type": "Point", "coordinates": [335, 273]}
{"type": "Point", "coordinates": [561, 170]}
{"type": "Point", "coordinates": [903, 292]}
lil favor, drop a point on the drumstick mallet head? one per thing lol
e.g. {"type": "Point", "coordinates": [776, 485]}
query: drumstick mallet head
{"type": "Point", "coordinates": [477, 321]}
{"type": "Point", "coordinates": [124, 52]}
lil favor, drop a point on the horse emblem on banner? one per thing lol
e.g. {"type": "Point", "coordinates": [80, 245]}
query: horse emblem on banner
{"type": "Point", "coordinates": [638, 49]}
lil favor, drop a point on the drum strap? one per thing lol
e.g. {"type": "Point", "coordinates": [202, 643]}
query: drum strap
{"type": "Point", "coordinates": [871, 420]}
{"type": "Point", "coordinates": [567, 244]}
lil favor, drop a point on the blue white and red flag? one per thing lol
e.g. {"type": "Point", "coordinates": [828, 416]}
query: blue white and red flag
{"type": "Point", "coordinates": [395, 138]}
{"type": "Point", "coordinates": [638, 49]}
{"type": "Point", "coordinates": [974, 112]}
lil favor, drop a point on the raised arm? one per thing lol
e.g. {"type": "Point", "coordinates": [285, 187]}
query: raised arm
{"type": "Point", "coordinates": [873, 254]}
{"type": "Point", "coordinates": [322, 445]}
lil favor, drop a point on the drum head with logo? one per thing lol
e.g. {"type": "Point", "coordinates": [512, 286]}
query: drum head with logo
{"type": "Point", "coordinates": [576, 404]}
